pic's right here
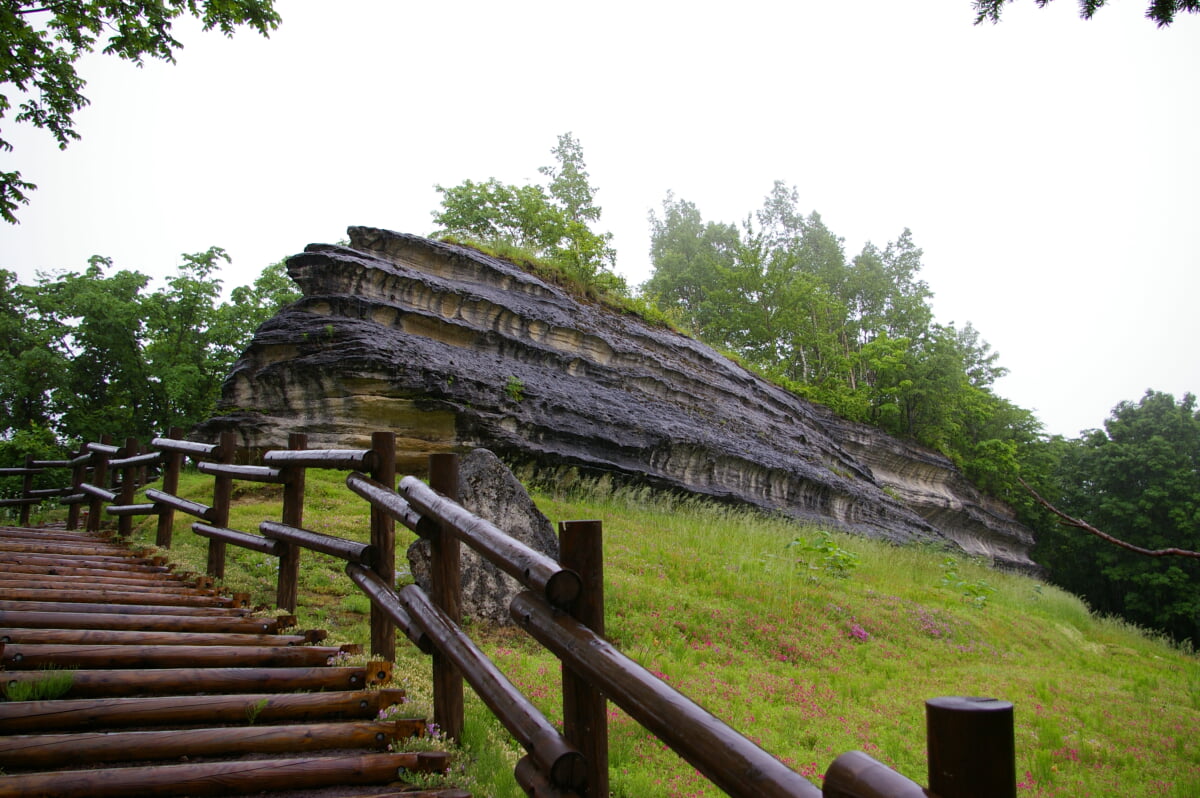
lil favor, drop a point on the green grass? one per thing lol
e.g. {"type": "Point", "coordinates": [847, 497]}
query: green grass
{"type": "Point", "coordinates": [53, 683]}
{"type": "Point", "coordinates": [807, 660]}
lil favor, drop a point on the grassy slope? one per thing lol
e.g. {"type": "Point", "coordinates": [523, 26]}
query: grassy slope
{"type": "Point", "coordinates": [805, 663]}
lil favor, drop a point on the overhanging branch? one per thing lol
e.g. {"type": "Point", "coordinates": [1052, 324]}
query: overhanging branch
{"type": "Point", "coordinates": [1067, 520]}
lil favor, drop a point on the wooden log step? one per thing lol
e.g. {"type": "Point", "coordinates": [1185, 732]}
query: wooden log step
{"type": "Point", "coordinates": [136, 564]}
{"type": "Point", "coordinates": [109, 637]}
{"type": "Point", "coordinates": [33, 619]}
{"type": "Point", "coordinates": [118, 609]}
{"type": "Point", "coordinates": [114, 597]}
{"type": "Point", "coordinates": [27, 717]}
{"type": "Point", "coordinates": [105, 576]}
{"type": "Point", "coordinates": [191, 681]}
{"type": "Point", "coordinates": [18, 656]}
{"type": "Point", "coordinates": [59, 584]}
{"type": "Point", "coordinates": [86, 549]}
{"type": "Point", "coordinates": [61, 535]}
{"type": "Point", "coordinates": [223, 778]}
{"type": "Point", "coordinates": [49, 751]}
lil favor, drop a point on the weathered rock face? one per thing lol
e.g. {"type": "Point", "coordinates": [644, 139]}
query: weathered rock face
{"type": "Point", "coordinates": [455, 350]}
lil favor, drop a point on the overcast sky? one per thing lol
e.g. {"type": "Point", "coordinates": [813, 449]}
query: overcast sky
{"type": "Point", "coordinates": [1049, 167]}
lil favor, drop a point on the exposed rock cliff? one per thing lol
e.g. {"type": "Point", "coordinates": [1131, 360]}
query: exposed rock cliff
{"type": "Point", "coordinates": [453, 349]}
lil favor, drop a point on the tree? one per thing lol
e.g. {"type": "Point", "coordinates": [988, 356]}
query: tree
{"type": "Point", "coordinates": [553, 224]}
{"type": "Point", "coordinates": [1139, 479]}
{"type": "Point", "coordinates": [43, 40]}
{"type": "Point", "coordinates": [89, 353]}
{"type": "Point", "coordinates": [248, 307]}
{"type": "Point", "coordinates": [1161, 11]}
{"type": "Point", "coordinates": [692, 263]}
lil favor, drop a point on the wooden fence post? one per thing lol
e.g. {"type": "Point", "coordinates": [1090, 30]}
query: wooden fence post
{"type": "Point", "coordinates": [585, 710]}
{"type": "Point", "coordinates": [972, 748]}
{"type": "Point", "coordinates": [99, 479]}
{"type": "Point", "coordinates": [128, 487]}
{"type": "Point", "coordinates": [172, 465]}
{"type": "Point", "coordinates": [27, 488]}
{"type": "Point", "coordinates": [288, 591]}
{"type": "Point", "coordinates": [383, 538]}
{"type": "Point", "coordinates": [78, 474]}
{"type": "Point", "coordinates": [222, 496]}
{"type": "Point", "coordinates": [446, 584]}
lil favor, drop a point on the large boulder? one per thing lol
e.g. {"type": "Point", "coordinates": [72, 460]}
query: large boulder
{"type": "Point", "coordinates": [488, 489]}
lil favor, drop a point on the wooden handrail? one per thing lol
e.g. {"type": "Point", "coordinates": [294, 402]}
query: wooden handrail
{"type": "Point", "coordinates": [535, 570]}
{"type": "Point", "coordinates": [729, 760]}
{"type": "Point", "coordinates": [562, 609]}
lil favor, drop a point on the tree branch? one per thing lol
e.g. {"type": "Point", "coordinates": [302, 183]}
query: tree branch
{"type": "Point", "coordinates": [1067, 520]}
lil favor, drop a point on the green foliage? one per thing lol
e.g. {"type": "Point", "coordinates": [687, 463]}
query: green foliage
{"type": "Point", "coordinates": [975, 591]}
{"type": "Point", "coordinates": [853, 334]}
{"type": "Point", "coordinates": [552, 223]}
{"type": "Point", "coordinates": [822, 555]}
{"type": "Point", "coordinates": [85, 354]}
{"type": "Point", "coordinates": [52, 683]}
{"type": "Point", "coordinates": [514, 389]}
{"type": "Point", "coordinates": [255, 709]}
{"type": "Point", "coordinates": [43, 41]}
{"type": "Point", "coordinates": [1161, 12]}
{"type": "Point", "coordinates": [1137, 480]}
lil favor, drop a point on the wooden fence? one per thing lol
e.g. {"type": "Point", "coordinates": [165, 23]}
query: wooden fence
{"type": "Point", "coordinates": [971, 752]}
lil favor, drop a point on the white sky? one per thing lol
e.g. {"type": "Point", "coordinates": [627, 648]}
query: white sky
{"type": "Point", "coordinates": [1048, 166]}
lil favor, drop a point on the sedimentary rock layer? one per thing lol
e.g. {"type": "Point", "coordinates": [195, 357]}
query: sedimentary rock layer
{"type": "Point", "coordinates": [453, 350]}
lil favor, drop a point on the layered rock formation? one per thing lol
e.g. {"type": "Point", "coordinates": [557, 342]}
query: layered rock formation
{"type": "Point", "coordinates": [453, 350]}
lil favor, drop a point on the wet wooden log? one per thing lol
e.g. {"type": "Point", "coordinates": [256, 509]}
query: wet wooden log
{"type": "Point", "coordinates": [344, 459]}
{"type": "Point", "coordinates": [133, 564]}
{"type": "Point", "coordinates": [856, 775]}
{"type": "Point", "coordinates": [92, 549]}
{"type": "Point", "coordinates": [58, 584]}
{"type": "Point", "coordinates": [122, 510]}
{"type": "Point", "coordinates": [20, 656]}
{"type": "Point", "coordinates": [43, 619]}
{"type": "Point", "coordinates": [149, 458]}
{"type": "Point", "coordinates": [122, 637]}
{"type": "Point", "coordinates": [194, 509]}
{"type": "Point", "coordinates": [96, 492]}
{"type": "Point", "coordinates": [536, 784]}
{"type": "Point", "coordinates": [246, 473]}
{"type": "Point", "coordinates": [245, 540]}
{"type": "Point", "coordinates": [192, 448]}
{"type": "Point", "coordinates": [386, 499]}
{"type": "Point", "coordinates": [531, 568]}
{"type": "Point", "coordinates": [118, 609]}
{"type": "Point", "coordinates": [102, 596]}
{"type": "Point", "coordinates": [190, 681]}
{"type": "Point", "coordinates": [223, 778]}
{"type": "Point", "coordinates": [26, 717]}
{"type": "Point", "coordinates": [66, 576]}
{"type": "Point", "coordinates": [48, 751]}
{"type": "Point", "coordinates": [349, 550]}
{"type": "Point", "coordinates": [553, 755]}
{"type": "Point", "coordinates": [382, 596]}
{"type": "Point", "coordinates": [972, 748]}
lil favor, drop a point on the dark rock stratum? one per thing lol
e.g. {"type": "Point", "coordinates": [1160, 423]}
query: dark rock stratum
{"type": "Point", "coordinates": [454, 350]}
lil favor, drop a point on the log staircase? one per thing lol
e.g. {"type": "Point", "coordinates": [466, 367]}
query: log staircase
{"type": "Point", "coordinates": [124, 678]}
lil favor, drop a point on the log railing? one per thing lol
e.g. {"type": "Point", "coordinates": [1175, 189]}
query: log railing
{"type": "Point", "coordinates": [970, 741]}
